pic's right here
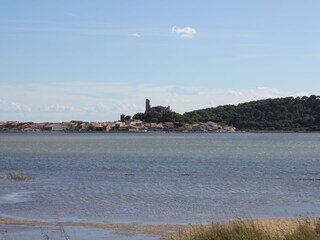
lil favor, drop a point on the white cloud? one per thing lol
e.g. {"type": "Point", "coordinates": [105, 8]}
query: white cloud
{"type": "Point", "coordinates": [98, 30]}
{"type": "Point", "coordinates": [57, 108]}
{"type": "Point", "coordinates": [12, 106]}
{"type": "Point", "coordinates": [186, 32]}
{"type": "Point", "coordinates": [235, 93]}
{"type": "Point", "coordinates": [136, 35]}
{"type": "Point", "coordinates": [268, 92]}
{"type": "Point", "coordinates": [96, 101]}
{"type": "Point", "coordinates": [127, 107]}
{"type": "Point", "coordinates": [301, 94]}
{"type": "Point", "coordinates": [101, 107]}
{"type": "Point", "coordinates": [256, 93]}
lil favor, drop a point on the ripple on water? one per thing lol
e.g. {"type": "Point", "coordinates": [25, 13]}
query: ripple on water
{"type": "Point", "coordinates": [163, 178]}
{"type": "Point", "coordinates": [16, 197]}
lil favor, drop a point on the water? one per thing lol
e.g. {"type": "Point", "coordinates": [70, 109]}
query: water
{"type": "Point", "coordinates": [160, 178]}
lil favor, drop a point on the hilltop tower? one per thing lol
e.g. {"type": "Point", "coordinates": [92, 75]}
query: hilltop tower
{"type": "Point", "coordinates": [148, 105]}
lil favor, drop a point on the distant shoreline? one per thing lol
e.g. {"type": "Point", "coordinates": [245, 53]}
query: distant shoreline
{"type": "Point", "coordinates": [153, 132]}
{"type": "Point", "coordinates": [129, 125]}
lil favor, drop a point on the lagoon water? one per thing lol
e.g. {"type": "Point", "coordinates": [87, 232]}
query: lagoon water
{"type": "Point", "coordinates": [160, 178]}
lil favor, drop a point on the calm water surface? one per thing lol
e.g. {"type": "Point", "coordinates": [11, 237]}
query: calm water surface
{"type": "Point", "coordinates": [160, 178]}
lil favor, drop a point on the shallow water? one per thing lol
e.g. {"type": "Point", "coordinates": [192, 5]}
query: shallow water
{"type": "Point", "coordinates": [160, 178]}
{"type": "Point", "coordinates": [74, 233]}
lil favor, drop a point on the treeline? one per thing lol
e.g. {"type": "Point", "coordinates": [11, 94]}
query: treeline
{"type": "Point", "coordinates": [300, 114]}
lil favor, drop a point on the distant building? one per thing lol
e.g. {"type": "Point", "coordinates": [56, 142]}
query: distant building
{"type": "Point", "coordinates": [59, 127]}
{"type": "Point", "coordinates": [148, 106]}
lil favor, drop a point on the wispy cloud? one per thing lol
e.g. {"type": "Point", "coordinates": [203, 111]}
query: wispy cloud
{"type": "Point", "coordinates": [98, 101]}
{"type": "Point", "coordinates": [123, 30]}
{"type": "Point", "coordinates": [101, 29]}
{"type": "Point", "coordinates": [234, 93]}
{"type": "Point", "coordinates": [257, 93]}
{"type": "Point", "coordinates": [186, 32]}
{"type": "Point", "coordinates": [136, 35]}
{"type": "Point", "coordinates": [57, 108]}
{"type": "Point", "coordinates": [13, 106]}
{"type": "Point", "coordinates": [72, 30]}
{"type": "Point", "coordinates": [100, 107]}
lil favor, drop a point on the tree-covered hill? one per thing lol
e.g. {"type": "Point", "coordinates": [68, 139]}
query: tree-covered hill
{"type": "Point", "coordinates": [301, 113]}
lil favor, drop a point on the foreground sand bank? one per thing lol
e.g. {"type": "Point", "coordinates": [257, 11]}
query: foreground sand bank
{"type": "Point", "coordinates": [122, 227]}
{"type": "Point", "coordinates": [283, 225]}
{"type": "Point", "coordinates": [262, 229]}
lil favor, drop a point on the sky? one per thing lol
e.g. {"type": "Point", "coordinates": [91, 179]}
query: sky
{"type": "Point", "coordinates": [94, 60]}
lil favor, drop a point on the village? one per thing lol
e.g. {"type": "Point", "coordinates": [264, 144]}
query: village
{"type": "Point", "coordinates": [152, 120]}
{"type": "Point", "coordinates": [126, 125]}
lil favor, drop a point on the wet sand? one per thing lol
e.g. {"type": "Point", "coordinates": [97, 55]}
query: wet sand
{"type": "Point", "coordinates": [122, 228]}
{"type": "Point", "coordinates": [274, 225]}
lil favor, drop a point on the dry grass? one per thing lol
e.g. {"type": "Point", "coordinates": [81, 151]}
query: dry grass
{"type": "Point", "coordinates": [253, 230]}
{"type": "Point", "coordinates": [18, 176]}
{"type": "Point", "coordinates": [268, 229]}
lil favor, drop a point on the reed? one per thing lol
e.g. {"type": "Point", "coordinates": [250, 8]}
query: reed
{"type": "Point", "coordinates": [250, 230]}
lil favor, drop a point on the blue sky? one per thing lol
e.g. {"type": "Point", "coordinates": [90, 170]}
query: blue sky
{"type": "Point", "coordinates": [93, 60]}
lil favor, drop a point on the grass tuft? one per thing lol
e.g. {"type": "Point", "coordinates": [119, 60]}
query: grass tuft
{"type": "Point", "coordinates": [249, 230]}
{"type": "Point", "coordinates": [305, 231]}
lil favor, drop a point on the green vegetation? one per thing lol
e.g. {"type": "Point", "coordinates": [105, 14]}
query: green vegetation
{"type": "Point", "coordinates": [249, 230]}
{"type": "Point", "coordinates": [281, 114]}
{"type": "Point", "coordinates": [288, 114]}
{"type": "Point", "coordinates": [160, 114]}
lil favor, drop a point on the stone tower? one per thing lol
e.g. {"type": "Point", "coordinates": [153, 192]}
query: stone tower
{"type": "Point", "coordinates": [147, 105]}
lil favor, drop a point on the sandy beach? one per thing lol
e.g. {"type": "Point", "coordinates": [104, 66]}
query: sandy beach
{"type": "Point", "coordinates": [274, 225]}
